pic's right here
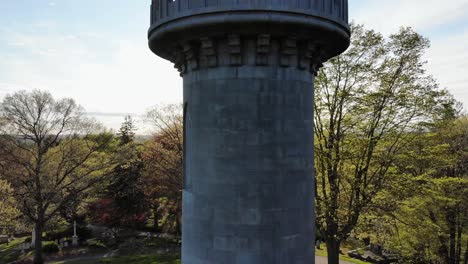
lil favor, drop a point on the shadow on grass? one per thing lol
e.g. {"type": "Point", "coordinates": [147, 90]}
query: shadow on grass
{"type": "Point", "coordinates": [8, 253]}
{"type": "Point", "coordinates": [323, 253]}
{"type": "Point", "coordinates": [139, 259]}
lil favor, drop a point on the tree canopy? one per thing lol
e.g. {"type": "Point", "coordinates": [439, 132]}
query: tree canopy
{"type": "Point", "coordinates": [370, 101]}
{"type": "Point", "coordinates": [51, 155]}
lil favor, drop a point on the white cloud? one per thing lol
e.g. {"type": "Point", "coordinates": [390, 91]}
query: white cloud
{"type": "Point", "coordinates": [108, 74]}
{"type": "Point", "coordinates": [121, 76]}
{"type": "Point", "coordinates": [448, 56]}
{"type": "Point", "coordinates": [387, 16]}
{"type": "Point", "coordinates": [448, 61]}
{"type": "Point", "coordinates": [114, 121]}
{"type": "Point", "coordinates": [6, 88]}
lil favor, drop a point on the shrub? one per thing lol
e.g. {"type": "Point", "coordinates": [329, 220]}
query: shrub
{"type": "Point", "coordinates": [29, 239]}
{"type": "Point", "coordinates": [82, 231]}
{"type": "Point", "coordinates": [131, 246]}
{"type": "Point", "coordinates": [50, 247]}
{"type": "Point", "coordinates": [95, 243]}
{"type": "Point", "coordinates": [161, 242]}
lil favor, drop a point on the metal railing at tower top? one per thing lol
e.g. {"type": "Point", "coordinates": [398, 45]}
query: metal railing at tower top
{"type": "Point", "coordinates": [165, 10]}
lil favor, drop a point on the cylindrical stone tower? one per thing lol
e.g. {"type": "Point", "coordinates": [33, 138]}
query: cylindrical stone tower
{"type": "Point", "coordinates": [248, 68]}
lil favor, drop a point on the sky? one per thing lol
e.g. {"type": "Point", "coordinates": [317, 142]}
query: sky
{"type": "Point", "coordinates": [95, 51]}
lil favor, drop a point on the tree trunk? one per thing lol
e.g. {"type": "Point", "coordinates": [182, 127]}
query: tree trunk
{"type": "Point", "coordinates": [465, 261]}
{"type": "Point", "coordinates": [333, 250]}
{"type": "Point", "coordinates": [179, 224]}
{"type": "Point", "coordinates": [458, 250]}
{"type": "Point", "coordinates": [443, 250]}
{"type": "Point", "coordinates": [451, 219]}
{"type": "Point", "coordinates": [38, 244]}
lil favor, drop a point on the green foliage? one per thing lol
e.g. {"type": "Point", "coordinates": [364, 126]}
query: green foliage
{"type": "Point", "coordinates": [159, 242]}
{"type": "Point", "coordinates": [95, 244]}
{"type": "Point", "coordinates": [67, 232]}
{"type": "Point", "coordinates": [50, 247]}
{"type": "Point", "coordinates": [127, 131]}
{"type": "Point", "coordinates": [421, 226]}
{"type": "Point", "coordinates": [123, 189]}
{"type": "Point", "coordinates": [371, 102]}
{"type": "Point", "coordinates": [162, 178]}
{"type": "Point", "coordinates": [8, 253]}
{"type": "Point", "coordinates": [323, 253]}
{"type": "Point", "coordinates": [49, 157]}
{"type": "Point", "coordinates": [8, 207]}
{"type": "Point", "coordinates": [423, 214]}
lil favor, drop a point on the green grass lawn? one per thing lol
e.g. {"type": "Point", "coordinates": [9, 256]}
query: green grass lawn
{"type": "Point", "coordinates": [144, 260]}
{"type": "Point", "coordinates": [173, 260]}
{"type": "Point", "coordinates": [323, 252]}
{"type": "Point", "coordinates": [7, 252]}
{"type": "Point", "coordinates": [141, 259]}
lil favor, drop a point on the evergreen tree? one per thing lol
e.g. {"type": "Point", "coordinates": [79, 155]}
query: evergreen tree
{"type": "Point", "coordinates": [127, 130]}
{"type": "Point", "coordinates": [127, 200]}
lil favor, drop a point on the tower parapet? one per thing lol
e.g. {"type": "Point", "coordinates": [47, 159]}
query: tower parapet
{"type": "Point", "coordinates": [187, 31]}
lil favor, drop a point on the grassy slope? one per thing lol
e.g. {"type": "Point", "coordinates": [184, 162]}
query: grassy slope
{"type": "Point", "coordinates": [151, 259]}
{"type": "Point", "coordinates": [7, 252]}
{"type": "Point", "coordinates": [144, 260]}
{"type": "Point", "coordinates": [130, 259]}
{"type": "Point", "coordinates": [323, 252]}
{"type": "Point", "coordinates": [174, 260]}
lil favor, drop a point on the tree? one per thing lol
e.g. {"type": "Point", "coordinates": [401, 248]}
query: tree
{"type": "Point", "coordinates": [163, 175]}
{"type": "Point", "coordinates": [427, 219]}
{"type": "Point", "coordinates": [56, 159]}
{"type": "Point", "coordinates": [369, 100]}
{"type": "Point", "coordinates": [124, 195]}
{"type": "Point", "coordinates": [127, 130]}
{"type": "Point", "coordinates": [8, 207]}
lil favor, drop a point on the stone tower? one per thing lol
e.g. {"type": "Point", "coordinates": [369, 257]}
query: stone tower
{"type": "Point", "coordinates": [248, 69]}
